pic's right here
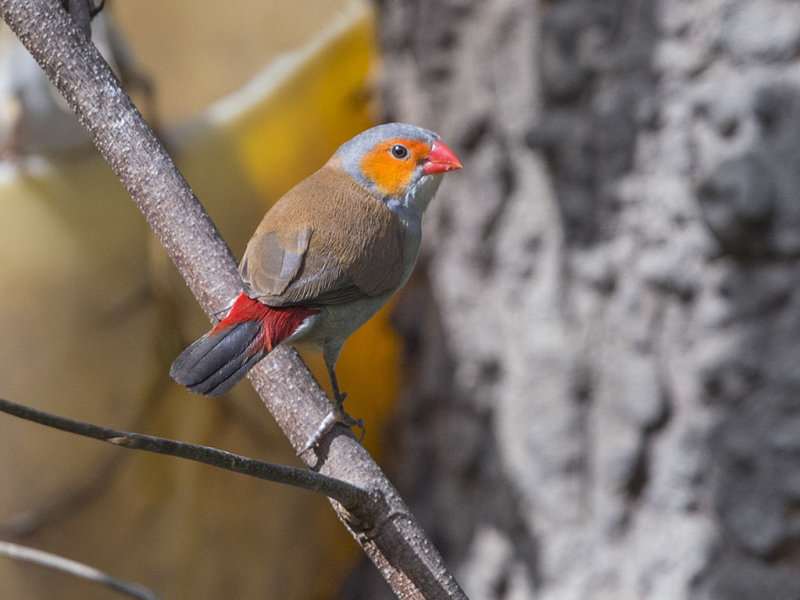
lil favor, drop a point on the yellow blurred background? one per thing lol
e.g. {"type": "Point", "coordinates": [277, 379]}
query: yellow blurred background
{"type": "Point", "coordinates": [249, 97]}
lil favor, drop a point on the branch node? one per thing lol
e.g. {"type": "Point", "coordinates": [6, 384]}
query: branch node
{"type": "Point", "coordinates": [121, 440]}
{"type": "Point", "coordinates": [367, 517]}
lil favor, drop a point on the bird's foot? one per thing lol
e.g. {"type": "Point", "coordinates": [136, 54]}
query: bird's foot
{"type": "Point", "coordinates": [337, 416]}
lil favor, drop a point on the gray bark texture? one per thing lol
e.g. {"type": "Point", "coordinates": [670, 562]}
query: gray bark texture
{"type": "Point", "coordinates": [604, 340]}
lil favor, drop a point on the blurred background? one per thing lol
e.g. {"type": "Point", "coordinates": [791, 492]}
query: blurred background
{"type": "Point", "coordinates": [249, 98]}
{"type": "Point", "coordinates": [589, 387]}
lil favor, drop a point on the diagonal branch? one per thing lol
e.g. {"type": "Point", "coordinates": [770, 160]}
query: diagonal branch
{"type": "Point", "coordinates": [390, 536]}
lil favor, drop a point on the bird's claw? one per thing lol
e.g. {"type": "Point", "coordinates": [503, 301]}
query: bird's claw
{"type": "Point", "coordinates": [337, 416]}
{"type": "Point", "coordinates": [340, 416]}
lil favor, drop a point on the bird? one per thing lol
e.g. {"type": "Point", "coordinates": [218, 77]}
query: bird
{"type": "Point", "coordinates": [325, 258]}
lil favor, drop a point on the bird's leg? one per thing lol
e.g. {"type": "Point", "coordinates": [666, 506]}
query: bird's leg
{"type": "Point", "coordinates": [340, 414]}
{"type": "Point", "coordinates": [337, 414]}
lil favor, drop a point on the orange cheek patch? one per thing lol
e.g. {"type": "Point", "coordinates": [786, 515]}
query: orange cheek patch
{"type": "Point", "coordinates": [389, 174]}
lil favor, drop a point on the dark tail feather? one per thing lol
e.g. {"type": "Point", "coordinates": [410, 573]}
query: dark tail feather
{"type": "Point", "coordinates": [215, 362]}
{"type": "Point", "coordinates": [218, 360]}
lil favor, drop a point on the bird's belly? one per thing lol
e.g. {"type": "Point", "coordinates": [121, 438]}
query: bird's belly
{"type": "Point", "coordinates": [334, 324]}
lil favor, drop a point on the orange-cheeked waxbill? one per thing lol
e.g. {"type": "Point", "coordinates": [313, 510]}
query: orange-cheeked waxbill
{"type": "Point", "coordinates": [325, 258]}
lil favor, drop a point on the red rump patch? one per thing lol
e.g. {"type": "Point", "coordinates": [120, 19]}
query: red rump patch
{"type": "Point", "coordinates": [278, 323]}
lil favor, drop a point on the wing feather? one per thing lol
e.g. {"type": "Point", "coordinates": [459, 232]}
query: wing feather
{"type": "Point", "coordinates": [327, 241]}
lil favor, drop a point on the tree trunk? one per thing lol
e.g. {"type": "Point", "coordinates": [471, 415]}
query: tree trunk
{"type": "Point", "coordinates": [604, 344]}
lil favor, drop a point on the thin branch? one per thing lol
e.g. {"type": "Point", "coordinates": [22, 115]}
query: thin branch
{"type": "Point", "coordinates": [59, 563]}
{"type": "Point", "coordinates": [348, 495]}
{"type": "Point", "coordinates": [388, 532]}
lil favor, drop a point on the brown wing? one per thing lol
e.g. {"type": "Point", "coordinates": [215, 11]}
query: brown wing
{"type": "Point", "coordinates": [327, 241]}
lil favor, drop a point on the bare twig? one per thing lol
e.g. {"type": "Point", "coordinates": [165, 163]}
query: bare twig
{"type": "Point", "coordinates": [348, 495]}
{"type": "Point", "coordinates": [59, 563]}
{"type": "Point", "coordinates": [387, 531]}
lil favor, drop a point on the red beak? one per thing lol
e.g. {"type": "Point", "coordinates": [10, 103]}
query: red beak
{"type": "Point", "coordinates": [440, 160]}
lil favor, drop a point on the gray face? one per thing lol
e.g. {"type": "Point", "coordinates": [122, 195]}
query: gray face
{"type": "Point", "coordinates": [351, 151]}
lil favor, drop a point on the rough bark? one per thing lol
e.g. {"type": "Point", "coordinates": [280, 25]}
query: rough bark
{"type": "Point", "coordinates": [606, 365]}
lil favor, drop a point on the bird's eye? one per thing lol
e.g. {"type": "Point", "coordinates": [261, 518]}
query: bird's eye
{"type": "Point", "coordinates": [399, 151]}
